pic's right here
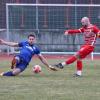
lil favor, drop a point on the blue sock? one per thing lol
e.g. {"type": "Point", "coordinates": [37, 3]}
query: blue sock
{"type": "Point", "coordinates": [8, 74]}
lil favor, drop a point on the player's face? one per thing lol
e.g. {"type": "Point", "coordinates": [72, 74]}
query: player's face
{"type": "Point", "coordinates": [85, 21]}
{"type": "Point", "coordinates": [31, 40]}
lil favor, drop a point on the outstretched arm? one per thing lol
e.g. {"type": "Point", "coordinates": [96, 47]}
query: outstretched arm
{"type": "Point", "coordinates": [44, 61]}
{"type": "Point", "coordinates": [75, 31]}
{"type": "Point", "coordinates": [13, 44]}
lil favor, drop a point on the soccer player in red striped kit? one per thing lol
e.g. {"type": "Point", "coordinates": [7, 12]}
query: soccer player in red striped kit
{"type": "Point", "coordinates": [90, 33]}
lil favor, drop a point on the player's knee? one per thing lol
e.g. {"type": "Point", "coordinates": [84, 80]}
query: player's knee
{"type": "Point", "coordinates": [77, 55]}
{"type": "Point", "coordinates": [17, 59]}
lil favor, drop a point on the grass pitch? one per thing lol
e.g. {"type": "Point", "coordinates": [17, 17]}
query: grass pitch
{"type": "Point", "coordinates": [49, 85]}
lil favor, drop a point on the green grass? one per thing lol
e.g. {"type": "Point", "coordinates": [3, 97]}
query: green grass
{"type": "Point", "coordinates": [49, 85]}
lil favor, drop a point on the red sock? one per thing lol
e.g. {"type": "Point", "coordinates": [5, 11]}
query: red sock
{"type": "Point", "coordinates": [79, 65]}
{"type": "Point", "coordinates": [71, 60]}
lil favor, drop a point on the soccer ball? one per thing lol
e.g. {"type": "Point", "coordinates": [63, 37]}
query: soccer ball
{"type": "Point", "coordinates": [36, 69]}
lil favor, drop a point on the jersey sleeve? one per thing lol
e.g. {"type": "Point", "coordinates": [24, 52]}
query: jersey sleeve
{"type": "Point", "coordinates": [21, 44]}
{"type": "Point", "coordinates": [96, 30]}
{"type": "Point", "coordinates": [37, 50]}
{"type": "Point", "coordinates": [81, 29]}
{"type": "Point", "coordinates": [75, 31]}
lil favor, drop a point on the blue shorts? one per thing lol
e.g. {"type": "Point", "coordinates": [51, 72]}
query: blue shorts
{"type": "Point", "coordinates": [22, 65]}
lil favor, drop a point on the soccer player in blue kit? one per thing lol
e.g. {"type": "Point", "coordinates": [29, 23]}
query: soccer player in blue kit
{"type": "Point", "coordinates": [27, 50]}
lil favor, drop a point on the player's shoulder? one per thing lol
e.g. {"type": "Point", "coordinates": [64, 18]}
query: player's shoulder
{"type": "Point", "coordinates": [22, 43]}
{"type": "Point", "coordinates": [82, 29]}
{"type": "Point", "coordinates": [36, 47]}
{"type": "Point", "coordinates": [93, 26]}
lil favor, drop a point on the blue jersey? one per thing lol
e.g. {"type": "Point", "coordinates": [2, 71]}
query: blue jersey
{"type": "Point", "coordinates": [27, 50]}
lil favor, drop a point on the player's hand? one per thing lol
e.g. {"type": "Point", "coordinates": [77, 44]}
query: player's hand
{"type": "Point", "coordinates": [98, 35]}
{"type": "Point", "coordinates": [52, 68]}
{"type": "Point", "coordinates": [66, 32]}
{"type": "Point", "coordinates": [1, 41]}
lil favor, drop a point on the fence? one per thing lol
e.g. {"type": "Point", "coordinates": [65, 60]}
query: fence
{"type": "Point", "coordinates": [49, 21]}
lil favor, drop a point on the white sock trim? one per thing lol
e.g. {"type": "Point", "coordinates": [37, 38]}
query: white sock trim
{"type": "Point", "coordinates": [79, 72]}
{"type": "Point", "coordinates": [63, 63]}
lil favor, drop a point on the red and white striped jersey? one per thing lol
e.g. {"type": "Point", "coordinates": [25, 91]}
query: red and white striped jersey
{"type": "Point", "coordinates": [90, 33]}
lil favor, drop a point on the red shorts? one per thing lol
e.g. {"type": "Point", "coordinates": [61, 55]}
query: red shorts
{"type": "Point", "coordinates": [85, 50]}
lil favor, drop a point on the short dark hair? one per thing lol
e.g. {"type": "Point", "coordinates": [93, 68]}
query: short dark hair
{"type": "Point", "coordinates": [31, 35]}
